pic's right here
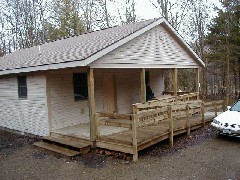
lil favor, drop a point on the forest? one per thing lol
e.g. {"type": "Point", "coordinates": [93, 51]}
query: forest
{"type": "Point", "coordinates": [211, 28]}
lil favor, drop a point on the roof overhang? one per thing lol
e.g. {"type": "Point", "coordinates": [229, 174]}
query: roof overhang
{"type": "Point", "coordinates": [92, 58]}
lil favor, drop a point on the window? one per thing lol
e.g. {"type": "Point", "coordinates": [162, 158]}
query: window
{"type": "Point", "coordinates": [80, 86]}
{"type": "Point", "coordinates": [22, 87]}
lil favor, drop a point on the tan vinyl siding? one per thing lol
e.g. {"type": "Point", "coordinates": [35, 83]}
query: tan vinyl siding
{"type": "Point", "coordinates": [98, 88]}
{"type": "Point", "coordinates": [128, 90]}
{"type": "Point", "coordinates": [26, 115]}
{"type": "Point", "coordinates": [128, 87]}
{"type": "Point", "coordinates": [156, 48]}
{"type": "Point", "coordinates": [156, 81]}
{"type": "Point", "coordinates": [65, 111]}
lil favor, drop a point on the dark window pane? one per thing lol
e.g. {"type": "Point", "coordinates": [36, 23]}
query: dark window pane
{"type": "Point", "coordinates": [22, 86]}
{"type": "Point", "coordinates": [80, 86]}
{"type": "Point", "coordinates": [22, 81]}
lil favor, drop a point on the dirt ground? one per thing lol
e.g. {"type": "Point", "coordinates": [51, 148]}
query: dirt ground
{"type": "Point", "coordinates": [201, 156]}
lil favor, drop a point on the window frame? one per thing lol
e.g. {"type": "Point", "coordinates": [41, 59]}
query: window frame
{"type": "Point", "coordinates": [22, 87]}
{"type": "Point", "coordinates": [80, 86]}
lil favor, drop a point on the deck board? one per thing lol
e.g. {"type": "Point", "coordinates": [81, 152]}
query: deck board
{"type": "Point", "coordinates": [120, 138]}
{"type": "Point", "coordinates": [83, 130]}
{"type": "Point", "coordinates": [147, 133]}
{"type": "Point", "coordinates": [58, 149]}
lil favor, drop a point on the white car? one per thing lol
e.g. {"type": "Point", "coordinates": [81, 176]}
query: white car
{"type": "Point", "coordinates": [228, 123]}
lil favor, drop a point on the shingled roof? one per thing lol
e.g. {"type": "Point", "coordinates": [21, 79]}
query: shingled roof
{"type": "Point", "coordinates": [76, 48]}
{"type": "Point", "coordinates": [73, 51]}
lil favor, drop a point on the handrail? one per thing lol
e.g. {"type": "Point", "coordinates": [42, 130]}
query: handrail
{"type": "Point", "coordinates": [164, 101]}
{"type": "Point", "coordinates": [169, 114]}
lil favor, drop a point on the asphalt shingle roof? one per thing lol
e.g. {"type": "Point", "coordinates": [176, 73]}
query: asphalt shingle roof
{"type": "Point", "coordinates": [76, 48]}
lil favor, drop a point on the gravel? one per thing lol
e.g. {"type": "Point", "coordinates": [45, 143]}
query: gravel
{"type": "Point", "coordinates": [203, 155]}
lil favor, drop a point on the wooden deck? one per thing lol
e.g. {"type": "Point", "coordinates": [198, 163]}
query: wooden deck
{"type": "Point", "coordinates": [153, 122]}
{"type": "Point", "coordinates": [149, 135]}
{"type": "Point", "coordinates": [120, 138]}
{"type": "Point", "coordinates": [150, 123]}
{"type": "Point", "coordinates": [82, 131]}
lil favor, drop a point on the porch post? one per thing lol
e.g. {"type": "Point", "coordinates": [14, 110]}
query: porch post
{"type": "Point", "coordinates": [143, 85]}
{"type": "Point", "coordinates": [175, 81]}
{"type": "Point", "coordinates": [91, 100]}
{"type": "Point", "coordinates": [197, 81]}
{"type": "Point", "coordinates": [48, 103]}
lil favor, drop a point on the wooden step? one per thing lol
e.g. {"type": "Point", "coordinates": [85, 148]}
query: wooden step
{"type": "Point", "coordinates": [56, 148]}
{"type": "Point", "coordinates": [69, 138]}
{"type": "Point", "coordinates": [84, 147]}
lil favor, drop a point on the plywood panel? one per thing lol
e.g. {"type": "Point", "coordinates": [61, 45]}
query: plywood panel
{"type": "Point", "coordinates": [109, 90]}
{"type": "Point", "coordinates": [127, 89]}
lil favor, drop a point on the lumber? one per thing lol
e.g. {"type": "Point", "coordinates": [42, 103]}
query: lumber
{"type": "Point", "coordinates": [91, 100]}
{"type": "Point", "coordinates": [187, 121]}
{"type": "Point", "coordinates": [143, 85]}
{"type": "Point", "coordinates": [170, 126]}
{"type": "Point", "coordinates": [57, 149]}
{"type": "Point", "coordinates": [72, 143]}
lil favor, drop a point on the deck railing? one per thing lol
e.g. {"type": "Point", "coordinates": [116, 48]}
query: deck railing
{"type": "Point", "coordinates": [165, 101]}
{"type": "Point", "coordinates": [169, 114]}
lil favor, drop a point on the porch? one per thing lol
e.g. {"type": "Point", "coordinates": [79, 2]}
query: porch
{"type": "Point", "coordinates": [149, 124]}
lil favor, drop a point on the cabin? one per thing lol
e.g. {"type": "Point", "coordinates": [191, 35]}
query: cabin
{"type": "Point", "coordinates": [68, 90]}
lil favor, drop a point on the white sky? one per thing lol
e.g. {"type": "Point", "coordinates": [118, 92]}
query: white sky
{"type": "Point", "coordinates": [145, 9]}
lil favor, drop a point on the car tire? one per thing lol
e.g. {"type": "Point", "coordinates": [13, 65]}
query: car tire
{"type": "Point", "coordinates": [219, 135]}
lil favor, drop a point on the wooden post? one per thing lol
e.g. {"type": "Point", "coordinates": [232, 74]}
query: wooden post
{"type": "Point", "coordinates": [143, 85]}
{"type": "Point", "coordinates": [187, 121]}
{"type": "Point", "coordinates": [48, 102]}
{"type": "Point", "coordinates": [91, 100]}
{"type": "Point", "coordinates": [203, 112]}
{"type": "Point", "coordinates": [96, 117]}
{"type": "Point", "coordinates": [175, 81]}
{"type": "Point", "coordinates": [135, 109]}
{"type": "Point", "coordinates": [197, 82]}
{"type": "Point", "coordinates": [170, 118]}
{"type": "Point", "coordinates": [134, 137]}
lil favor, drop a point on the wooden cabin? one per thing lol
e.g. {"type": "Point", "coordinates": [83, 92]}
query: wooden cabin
{"type": "Point", "coordinates": [55, 89]}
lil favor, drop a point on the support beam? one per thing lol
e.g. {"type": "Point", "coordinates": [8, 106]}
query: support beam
{"type": "Point", "coordinates": [203, 113]}
{"type": "Point", "coordinates": [134, 138]}
{"type": "Point", "coordinates": [187, 121]}
{"type": "Point", "coordinates": [175, 81]}
{"type": "Point", "coordinates": [91, 100]}
{"type": "Point", "coordinates": [197, 81]}
{"type": "Point", "coordinates": [48, 103]}
{"type": "Point", "coordinates": [170, 118]}
{"type": "Point", "coordinates": [143, 85]}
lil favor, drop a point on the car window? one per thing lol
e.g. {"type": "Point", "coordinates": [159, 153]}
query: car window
{"type": "Point", "coordinates": [236, 106]}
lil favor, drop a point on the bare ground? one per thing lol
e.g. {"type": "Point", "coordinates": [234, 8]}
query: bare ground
{"type": "Point", "coordinates": [201, 156]}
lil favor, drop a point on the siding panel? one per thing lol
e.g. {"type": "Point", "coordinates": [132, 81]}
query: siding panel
{"type": "Point", "coordinates": [26, 115]}
{"type": "Point", "coordinates": [155, 47]}
{"type": "Point", "coordinates": [65, 111]}
{"type": "Point", "coordinates": [128, 87]}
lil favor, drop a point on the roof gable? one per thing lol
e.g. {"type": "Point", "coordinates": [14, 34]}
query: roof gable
{"type": "Point", "coordinates": [156, 48]}
{"type": "Point", "coordinates": [78, 50]}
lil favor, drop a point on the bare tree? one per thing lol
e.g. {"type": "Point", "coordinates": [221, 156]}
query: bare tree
{"type": "Point", "coordinates": [174, 12]}
{"type": "Point", "coordinates": [198, 20]}
{"type": "Point", "coordinates": [127, 12]}
{"type": "Point", "coordinates": [21, 22]}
